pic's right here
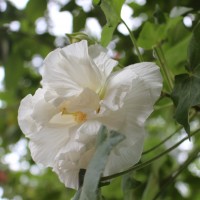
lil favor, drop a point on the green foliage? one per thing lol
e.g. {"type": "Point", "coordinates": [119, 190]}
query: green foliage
{"type": "Point", "coordinates": [162, 27]}
{"type": "Point", "coordinates": [186, 91]}
{"type": "Point", "coordinates": [108, 7]}
{"type": "Point", "coordinates": [151, 35]}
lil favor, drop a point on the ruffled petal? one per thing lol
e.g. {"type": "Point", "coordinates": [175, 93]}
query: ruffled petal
{"type": "Point", "coordinates": [134, 106]}
{"type": "Point", "coordinates": [99, 56]}
{"type": "Point", "coordinates": [48, 142]}
{"type": "Point", "coordinates": [33, 112]}
{"type": "Point", "coordinates": [69, 162]}
{"type": "Point", "coordinates": [69, 69]}
{"type": "Point", "coordinates": [87, 101]}
{"type": "Point", "coordinates": [87, 132]}
{"type": "Point", "coordinates": [150, 73]}
{"type": "Point", "coordinates": [128, 152]}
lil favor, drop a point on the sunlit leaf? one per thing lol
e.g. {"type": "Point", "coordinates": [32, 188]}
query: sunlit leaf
{"type": "Point", "coordinates": [151, 35]}
{"type": "Point", "coordinates": [112, 11]}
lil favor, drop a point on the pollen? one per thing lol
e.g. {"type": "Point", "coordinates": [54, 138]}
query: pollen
{"type": "Point", "coordinates": [80, 117]}
{"type": "Point", "coordinates": [64, 111]}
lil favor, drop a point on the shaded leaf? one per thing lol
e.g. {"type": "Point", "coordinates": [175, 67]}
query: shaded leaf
{"type": "Point", "coordinates": [194, 49]}
{"type": "Point", "coordinates": [186, 92]}
{"type": "Point", "coordinates": [98, 162]}
{"type": "Point", "coordinates": [129, 184]}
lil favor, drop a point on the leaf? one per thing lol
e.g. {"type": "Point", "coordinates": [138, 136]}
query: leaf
{"type": "Point", "coordinates": [179, 10]}
{"type": "Point", "coordinates": [35, 9]}
{"type": "Point", "coordinates": [98, 162]}
{"type": "Point", "coordinates": [194, 49]}
{"type": "Point", "coordinates": [129, 184]}
{"type": "Point", "coordinates": [151, 34]}
{"type": "Point", "coordinates": [112, 11]}
{"type": "Point", "coordinates": [106, 35]}
{"type": "Point", "coordinates": [186, 92]}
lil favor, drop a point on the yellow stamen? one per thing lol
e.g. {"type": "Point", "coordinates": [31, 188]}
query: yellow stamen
{"type": "Point", "coordinates": [64, 111]}
{"type": "Point", "coordinates": [80, 117]}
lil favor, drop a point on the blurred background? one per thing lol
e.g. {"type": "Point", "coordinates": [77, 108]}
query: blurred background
{"type": "Point", "coordinates": [29, 30]}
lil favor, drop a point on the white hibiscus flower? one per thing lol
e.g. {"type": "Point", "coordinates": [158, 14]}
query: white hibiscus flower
{"type": "Point", "coordinates": [80, 93]}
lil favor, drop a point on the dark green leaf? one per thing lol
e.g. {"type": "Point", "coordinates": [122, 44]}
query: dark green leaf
{"type": "Point", "coordinates": [129, 184]}
{"type": "Point", "coordinates": [194, 49]}
{"type": "Point", "coordinates": [97, 164]}
{"type": "Point", "coordinates": [186, 94]}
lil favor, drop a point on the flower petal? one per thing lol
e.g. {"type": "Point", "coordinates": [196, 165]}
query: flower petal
{"type": "Point", "coordinates": [150, 73]}
{"type": "Point", "coordinates": [48, 142]}
{"type": "Point", "coordinates": [104, 63]}
{"type": "Point", "coordinates": [69, 69]}
{"type": "Point", "coordinates": [87, 101]}
{"type": "Point", "coordinates": [69, 162]}
{"type": "Point", "coordinates": [128, 152]}
{"type": "Point", "coordinates": [33, 112]}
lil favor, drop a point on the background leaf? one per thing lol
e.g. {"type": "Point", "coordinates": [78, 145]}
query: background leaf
{"type": "Point", "coordinates": [186, 91]}
{"type": "Point", "coordinates": [112, 11]}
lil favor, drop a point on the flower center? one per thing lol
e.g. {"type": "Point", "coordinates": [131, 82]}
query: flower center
{"type": "Point", "coordinates": [80, 117]}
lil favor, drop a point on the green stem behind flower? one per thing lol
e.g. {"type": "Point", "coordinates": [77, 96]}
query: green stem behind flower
{"type": "Point", "coordinates": [133, 41]}
{"type": "Point", "coordinates": [163, 65]}
{"type": "Point", "coordinates": [167, 138]}
{"type": "Point", "coordinates": [194, 155]}
{"type": "Point", "coordinates": [148, 162]}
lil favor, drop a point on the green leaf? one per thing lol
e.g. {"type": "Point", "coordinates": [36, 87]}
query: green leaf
{"type": "Point", "coordinates": [129, 184]}
{"type": "Point", "coordinates": [106, 35]}
{"type": "Point", "coordinates": [35, 9]}
{"type": "Point", "coordinates": [186, 91]}
{"type": "Point", "coordinates": [151, 35]}
{"type": "Point", "coordinates": [98, 162]}
{"type": "Point", "coordinates": [194, 49]}
{"type": "Point", "coordinates": [112, 11]}
{"type": "Point", "coordinates": [186, 94]}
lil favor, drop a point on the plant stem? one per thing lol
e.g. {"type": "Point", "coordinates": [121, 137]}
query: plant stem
{"type": "Point", "coordinates": [142, 165]}
{"type": "Point", "coordinates": [133, 41]}
{"type": "Point", "coordinates": [162, 142]}
{"type": "Point", "coordinates": [164, 67]}
{"type": "Point", "coordinates": [167, 138]}
{"type": "Point", "coordinates": [171, 179]}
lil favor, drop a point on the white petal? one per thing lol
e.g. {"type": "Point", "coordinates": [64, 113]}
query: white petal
{"type": "Point", "coordinates": [87, 101]}
{"type": "Point", "coordinates": [34, 111]}
{"type": "Point", "coordinates": [87, 132]}
{"type": "Point", "coordinates": [127, 153]}
{"type": "Point", "coordinates": [26, 122]}
{"type": "Point", "coordinates": [68, 70]}
{"type": "Point", "coordinates": [150, 73]}
{"type": "Point", "coordinates": [101, 59]}
{"type": "Point", "coordinates": [46, 144]}
{"type": "Point", "coordinates": [134, 108]}
{"type": "Point", "coordinates": [69, 163]}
